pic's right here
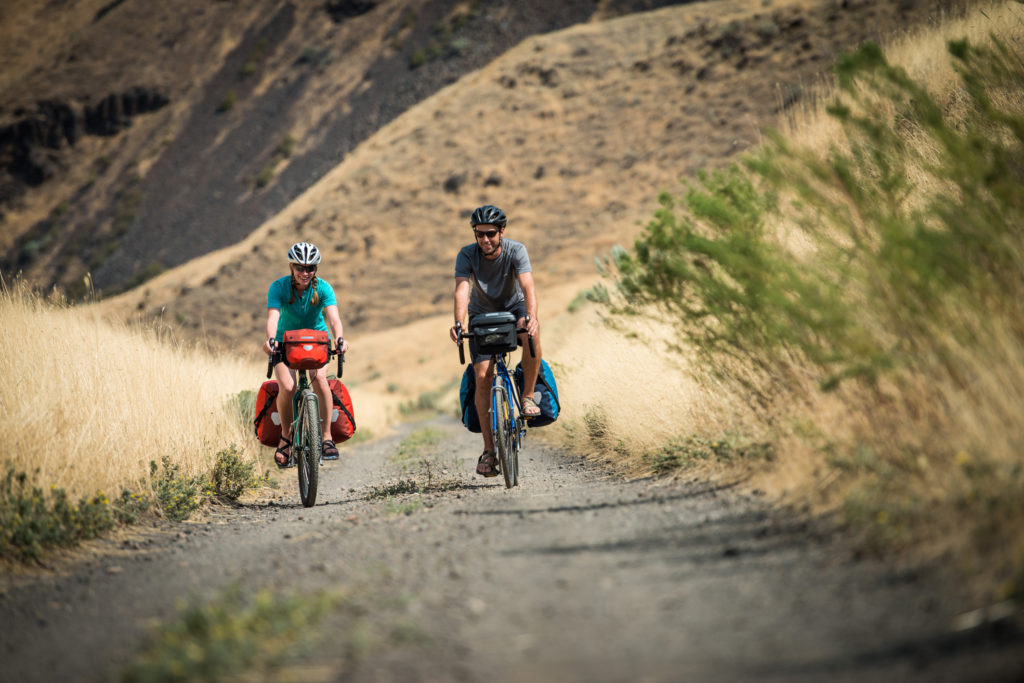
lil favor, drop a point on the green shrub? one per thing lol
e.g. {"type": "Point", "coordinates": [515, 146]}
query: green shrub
{"type": "Point", "coordinates": [232, 475]}
{"type": "Point", "coordinates": [130, 505]}
{"type": "Point", "coordinates": [234, 637]}
{"type": "Point", "coordinates": [243, 406]}
{"type": "Point", "coordinates": [32, 521]}
{"type": "Point", "coordinates": [227, 103]}
{"type": "Point", "coordinates": [893, 264]}
{"type": "Point", "coordinates": [177, 496]}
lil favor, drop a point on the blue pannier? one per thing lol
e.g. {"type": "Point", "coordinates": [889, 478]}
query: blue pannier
{"type": "Point", "coordinates": [546, 394]}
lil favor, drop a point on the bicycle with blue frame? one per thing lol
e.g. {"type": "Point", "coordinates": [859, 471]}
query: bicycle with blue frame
{"type": "Point", "coordinates": [307, 425]}
{"type": "Point", "coordinates": [496, 334]}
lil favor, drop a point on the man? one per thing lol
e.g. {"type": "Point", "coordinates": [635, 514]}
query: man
{"type": "Point", "coordinates": [494, 274]}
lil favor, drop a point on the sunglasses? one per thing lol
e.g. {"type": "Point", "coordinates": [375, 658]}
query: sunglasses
{"type": "Point", "coordinates": [489, 234]}
{"type": "Point", "coordinates": [304, 269]}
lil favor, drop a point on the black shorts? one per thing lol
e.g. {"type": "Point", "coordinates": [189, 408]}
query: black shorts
{"type": "Point", "coordinates": [519, 311]}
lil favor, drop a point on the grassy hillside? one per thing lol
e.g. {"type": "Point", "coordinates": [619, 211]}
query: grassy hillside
{"type": "Point", "coordinates": [864, 290]}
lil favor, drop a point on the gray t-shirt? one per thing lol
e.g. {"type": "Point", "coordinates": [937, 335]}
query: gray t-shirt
{"type": "Point", "coordinates": [495, 286]}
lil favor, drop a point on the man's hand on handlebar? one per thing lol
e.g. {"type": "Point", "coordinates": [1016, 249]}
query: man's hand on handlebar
{"type": "Point", "coordinates": [455, 332]}
{"type": "Point", "coordinates": [532, 326]}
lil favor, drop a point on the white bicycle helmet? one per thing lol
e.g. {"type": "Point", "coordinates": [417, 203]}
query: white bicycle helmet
{"type": "Point", "coordinates": [304, 254]}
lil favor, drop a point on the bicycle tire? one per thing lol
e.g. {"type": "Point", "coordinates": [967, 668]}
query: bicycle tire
{"type": "Point", "coordinates": [308, 452]}
{"type": "Point", "coordinates": [517, 444]}
{"type": "Point", "coordinates": [503, 436]}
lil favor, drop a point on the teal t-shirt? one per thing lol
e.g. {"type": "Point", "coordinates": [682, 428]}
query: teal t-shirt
{"type": "Point", "coordinates": [301, 314]}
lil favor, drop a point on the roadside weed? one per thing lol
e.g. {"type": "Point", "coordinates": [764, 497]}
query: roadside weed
{"type": "Point", "coordinates": [688, 451]}
{"type": "Point", "coordinates": [235, 637]}
{"type": "Point", "coordinates": [32, 520]}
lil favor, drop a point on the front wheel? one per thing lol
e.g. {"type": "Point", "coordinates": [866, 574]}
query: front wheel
{"type": "Point", "coordinates": [504, 436]}
{"type": "Point", "coordinates": [308, 448]}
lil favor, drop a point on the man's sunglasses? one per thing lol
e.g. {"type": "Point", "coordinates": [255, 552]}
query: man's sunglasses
{"type": "Point", "coordinates": [489, 234]}
{"type": "Point", "coordinates": [305, 269]}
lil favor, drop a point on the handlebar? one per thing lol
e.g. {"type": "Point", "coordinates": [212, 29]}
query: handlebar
{"type": "Point", "coordinates": [465, 335]}
{"type": "Point", "coordinates": [277, 357]}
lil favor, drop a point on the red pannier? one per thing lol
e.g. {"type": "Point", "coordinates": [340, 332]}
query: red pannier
{"type": "Point", "coordinates": [343, 420]}
{"type": "Point", "coordinates": [268, 421]}
{"type": "Point", "coordinates": [306, 349]}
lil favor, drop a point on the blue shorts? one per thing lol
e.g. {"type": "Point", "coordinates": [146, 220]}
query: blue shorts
{"type": "Point", "coordinates": [519, 311]}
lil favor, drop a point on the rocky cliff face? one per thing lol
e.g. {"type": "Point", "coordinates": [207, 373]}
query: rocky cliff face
{"type": "Point", "coordinates": [30, 146]}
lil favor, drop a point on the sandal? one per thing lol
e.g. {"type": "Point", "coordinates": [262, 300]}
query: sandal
{"type": "Point", "coordinates": [487, 465]}
{"type": "Point", "coordinates": [329, 450]}
{"type": "Point", "coordinates": [530, 407]}
{"type": "Point", "coordinates": [285, 453]}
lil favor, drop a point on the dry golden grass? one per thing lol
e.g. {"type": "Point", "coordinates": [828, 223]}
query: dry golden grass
{"type": "Point", "coordinates": [89, 404]}
{"type": "Point", "coordinates": [929, 460]}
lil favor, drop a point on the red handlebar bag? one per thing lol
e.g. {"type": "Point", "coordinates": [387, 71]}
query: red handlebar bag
{"type": "Point", "coordinates": [306, 349]}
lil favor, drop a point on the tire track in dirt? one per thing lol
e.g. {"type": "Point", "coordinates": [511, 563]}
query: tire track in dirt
{"type": "Point", "coordinates": [575, 575]}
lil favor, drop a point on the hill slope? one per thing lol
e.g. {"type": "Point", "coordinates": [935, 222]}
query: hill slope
{"type": "Point", "coordinates": [572, 133]}
{"type": "Point", "coordinates": [134, 137]}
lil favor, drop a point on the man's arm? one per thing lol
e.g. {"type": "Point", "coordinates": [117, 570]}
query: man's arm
{"type": "Point", "coordinates": [461, 304]}
{"type": "Point", "coordinates": [530, 294]}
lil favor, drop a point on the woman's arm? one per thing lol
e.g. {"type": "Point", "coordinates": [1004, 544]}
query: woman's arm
{"type": "Point", "coordinates": [333, 319]}
{"type": "Point", "coordinates": [273, 315]}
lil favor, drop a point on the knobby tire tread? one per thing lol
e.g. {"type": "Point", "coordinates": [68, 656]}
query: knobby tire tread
{"type": "Point", "coordinates": [309, 454]}
{"type": "Point", "coordinates": [503, 437]}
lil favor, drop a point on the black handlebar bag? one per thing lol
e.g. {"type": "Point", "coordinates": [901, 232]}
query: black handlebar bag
{"type": "Point", "coordinates": [492, 333]}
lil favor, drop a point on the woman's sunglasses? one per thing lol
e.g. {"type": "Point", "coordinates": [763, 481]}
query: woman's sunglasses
{"type": "Point", "coordinates": [304, 269]}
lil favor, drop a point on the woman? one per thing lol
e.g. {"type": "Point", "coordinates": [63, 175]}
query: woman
{"type": "Point", "coordinates": [302, 301]}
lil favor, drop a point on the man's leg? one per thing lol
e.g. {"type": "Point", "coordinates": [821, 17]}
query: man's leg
{"type": "Point", "coordinates": [484, 371]}
{"type": "Point", "coordinates": [531, 364]}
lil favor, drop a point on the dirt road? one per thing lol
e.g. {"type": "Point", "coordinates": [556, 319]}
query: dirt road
{"type": "Point", "coordinates": [574, 576]}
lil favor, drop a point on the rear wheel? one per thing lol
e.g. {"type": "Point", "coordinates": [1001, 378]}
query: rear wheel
{"type": "Point", "coordinates": [308, 452]}
{"type": "Point", "coordinates": [503, 437]}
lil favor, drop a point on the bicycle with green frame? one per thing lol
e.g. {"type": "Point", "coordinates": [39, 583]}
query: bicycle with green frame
{"type": "Point", "coordinates": [307, 447]}
{"type": "Point", "coordinates": [496, 334]}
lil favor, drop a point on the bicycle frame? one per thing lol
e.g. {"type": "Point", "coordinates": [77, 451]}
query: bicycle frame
{"type": "Point", "coordinates": [502, 378]}
{"type": "Point", "coordinates": [512, 426]}
{"type": "Point", "coordinates": [302, 453]}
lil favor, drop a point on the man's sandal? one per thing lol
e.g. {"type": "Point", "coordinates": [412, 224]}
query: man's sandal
{"type": "Point", "coordinates": [487, 465]}
{"type": "Point", "coordinates": [530, 407]}
{"type": "Point", "coordinates": [283, 453]}
{"type": "Point", "coordinates": [330, 450]}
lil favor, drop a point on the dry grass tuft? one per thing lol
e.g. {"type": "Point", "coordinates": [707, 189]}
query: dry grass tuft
{"type": "Point", "coordinates": [86, 404]}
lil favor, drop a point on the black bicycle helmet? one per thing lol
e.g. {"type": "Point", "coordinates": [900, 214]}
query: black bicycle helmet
{"type": "Point", "coordinates": [304, 254]}
{"type": "Point", "coordinates": [488, 215]}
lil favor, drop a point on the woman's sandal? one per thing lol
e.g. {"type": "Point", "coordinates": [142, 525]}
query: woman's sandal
{"type": "Point", "coordinates": [283, 452]}
{"type": "Point", "coordinates": [487, 465]}
{"type": "Point", "coordinates": [329, 450]}
{"type": "Point", "coordinates": [530, 407]}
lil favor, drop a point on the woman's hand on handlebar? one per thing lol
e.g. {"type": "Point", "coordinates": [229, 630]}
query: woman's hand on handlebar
{"type": "Point", "coordinates": [341, 346]}
{"type": "Point", "coordinates": [269, 346]}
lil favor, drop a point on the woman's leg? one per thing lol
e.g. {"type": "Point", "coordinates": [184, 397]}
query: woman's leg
{"type": "Point", "coordinates": [323, 393]}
